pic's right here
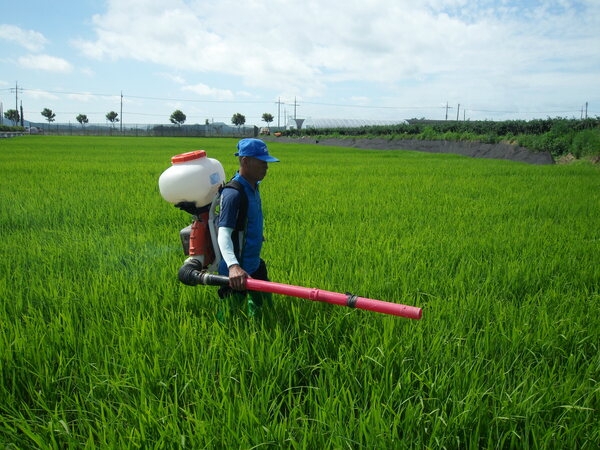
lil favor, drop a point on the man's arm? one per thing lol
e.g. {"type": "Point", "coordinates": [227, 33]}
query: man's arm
{"type": "Point", "coordinates": [237, 275]}
{"type": "Point", "coordinates": [226, 246]}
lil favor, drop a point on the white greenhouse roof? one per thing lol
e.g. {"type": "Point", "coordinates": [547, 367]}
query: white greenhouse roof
{"type": "Point", "coordinates": [345, 123]}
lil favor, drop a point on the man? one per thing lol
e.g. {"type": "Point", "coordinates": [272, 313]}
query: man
{"type": "Point", "coordinates": [242, 260]}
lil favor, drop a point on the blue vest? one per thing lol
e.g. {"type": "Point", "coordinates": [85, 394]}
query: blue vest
{"type": "Point", "coordinates": [230, 201]}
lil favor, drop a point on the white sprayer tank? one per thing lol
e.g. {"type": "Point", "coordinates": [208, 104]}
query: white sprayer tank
{"type": "Point", "coordinates": [192, 177]}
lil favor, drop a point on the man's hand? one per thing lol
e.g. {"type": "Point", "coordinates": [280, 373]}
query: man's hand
{"type": "Point", "coordinates": [237, 277]}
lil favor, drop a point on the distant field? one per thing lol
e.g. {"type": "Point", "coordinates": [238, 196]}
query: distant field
{"type": "Point", "coordinates": [101, 346]}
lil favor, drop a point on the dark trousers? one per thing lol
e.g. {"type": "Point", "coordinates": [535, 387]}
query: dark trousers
{"type": "Point", "coordinates": [256, 300]}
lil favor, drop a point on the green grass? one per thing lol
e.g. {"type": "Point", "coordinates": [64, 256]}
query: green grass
{"type": "Point", "coordinates": [101, 346]}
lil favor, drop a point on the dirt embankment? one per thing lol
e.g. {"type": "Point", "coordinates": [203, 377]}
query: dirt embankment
{"type": "Point", "coordinates": [472, 149]}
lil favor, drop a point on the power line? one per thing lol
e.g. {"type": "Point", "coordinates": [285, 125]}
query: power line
{"type": "Point", "coordinates": [71, 93]}
{"type": "Point", "coordinates": [295, 103]}
{"type": "Point", "coordinates": [141, 97]}
{"type": "Point", "coordinates": [338, 105]}
{"type": "Point", "coordinates": [197, 101]}
{"type": "Point", "coordinates": [342, 105]}
{"type": "Point", "coordinates": [523, 112]}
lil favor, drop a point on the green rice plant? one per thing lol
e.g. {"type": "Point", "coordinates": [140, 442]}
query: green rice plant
{"type": "Point", "coordinates": [101, 346]}
{"type": "Point", "coordinates": [586, 143]}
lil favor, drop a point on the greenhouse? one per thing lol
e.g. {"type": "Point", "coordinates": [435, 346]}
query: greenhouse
{"type": "Point", "coordinates": [341, 123]}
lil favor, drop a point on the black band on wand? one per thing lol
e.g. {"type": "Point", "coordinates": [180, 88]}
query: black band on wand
{"type": "Point", "coordinates": [351, 300]}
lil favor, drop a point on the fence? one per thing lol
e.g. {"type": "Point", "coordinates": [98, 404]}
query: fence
{"type": "Point", "coordinates": [9, 134]}
{"type": "Point", "coordinates": [211, 130]}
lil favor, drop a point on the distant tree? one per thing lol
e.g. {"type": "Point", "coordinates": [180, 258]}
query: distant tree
{"type": "Point", "coordinates": [48, 114]}
{"type": "Point", "coordinates": [112, 117]}
{"type": "Point", "coordinates": [82, 119]}
{"type": "Point", "coordinates": [238, 120]}
{"type": "Point", "coordinates": [12, 115]}
{"type": "Point", "coordinates": [177, 118]}
{"type": "Point", "coordinates": [268, 118]}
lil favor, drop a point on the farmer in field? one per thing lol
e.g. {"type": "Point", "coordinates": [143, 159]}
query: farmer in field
{"type": "Point", "coordinates": [241, 245]}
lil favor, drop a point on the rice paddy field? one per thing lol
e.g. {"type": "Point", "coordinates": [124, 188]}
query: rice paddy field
{"type": "Point", "coordinates": [102, 347]}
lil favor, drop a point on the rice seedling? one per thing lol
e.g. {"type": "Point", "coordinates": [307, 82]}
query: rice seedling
{"type": "Point", "coordinates": [101, 346]}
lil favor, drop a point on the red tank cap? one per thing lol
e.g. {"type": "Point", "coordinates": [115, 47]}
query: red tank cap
{"type": "Point", "coordinates": [189, 156]}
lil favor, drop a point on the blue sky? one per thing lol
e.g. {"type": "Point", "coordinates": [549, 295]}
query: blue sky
{"type": "Point", "coordinates": [340, 59]}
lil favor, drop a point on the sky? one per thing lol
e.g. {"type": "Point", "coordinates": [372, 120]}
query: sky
{"type": "Point", "coordinates": [369, 60]}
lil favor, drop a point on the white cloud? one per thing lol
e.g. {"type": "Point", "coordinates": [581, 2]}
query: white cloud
{"type": "Point", "coordinates": [207, 91]}
{"type": "Point", "coordinates": [84, 97]}
{"type": "Point", "coordinates": [45, 62]}
{"type": "Point", "coordinates": [177, 79]}
{"type": "Point", "coordinates": [31, 40]}
{"type": "Point", "coordinates": [303, 46]}
{"type": "Point", "coordinates": [383, 57]}
{"type": "Point", "coordinates": [87, 71]}
{"type": "Point", "coordinates": [37, 94]}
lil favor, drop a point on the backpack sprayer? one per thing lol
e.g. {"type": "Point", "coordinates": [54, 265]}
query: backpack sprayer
{"type": "Point", "coordinates": [191, 184]}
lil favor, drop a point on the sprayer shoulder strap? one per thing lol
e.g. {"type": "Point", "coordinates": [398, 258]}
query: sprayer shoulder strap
{"type": "Point", "coordinates": [243, 211]}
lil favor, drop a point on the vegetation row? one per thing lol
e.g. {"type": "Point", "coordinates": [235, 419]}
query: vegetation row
{"type": "Point", "coordinates": [558, 136]}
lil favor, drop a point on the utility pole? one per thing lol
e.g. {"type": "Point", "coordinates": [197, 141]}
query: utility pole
{"type": "Point", "coordinates": [457, 112]}
{"type": "Point", "coordinates": [16, 89]}
{"type": "Point", "coordinates": [447, 108]}
{"type": "Point", "coordinates": [295, 104]}
{"type": "Point", "coordinates": [121, 121]}
{"type": "Point", "coordinates": [278, 111]}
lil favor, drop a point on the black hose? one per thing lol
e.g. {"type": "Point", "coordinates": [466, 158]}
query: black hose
{"type": "Point", "coordinates": [191, 274]}
{"type": "Point", "coordinates": [214, 280]}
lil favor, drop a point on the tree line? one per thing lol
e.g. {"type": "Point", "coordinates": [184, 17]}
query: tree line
{"type": "Point", "coordinates": [177, 117]}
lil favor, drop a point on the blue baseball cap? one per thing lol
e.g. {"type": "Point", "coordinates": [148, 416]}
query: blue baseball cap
{"type": "Point", "coordinates": [254, 148]}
